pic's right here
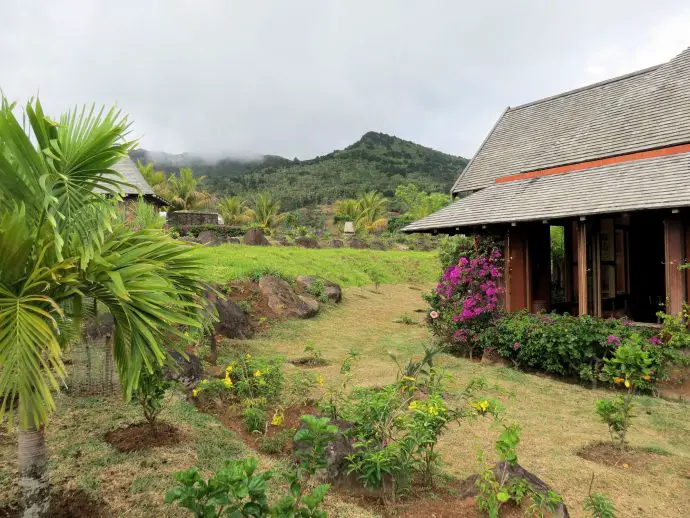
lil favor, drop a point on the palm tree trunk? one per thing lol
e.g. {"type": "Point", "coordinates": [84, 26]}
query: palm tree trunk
{"type": "Point", "coordinates": [33, 473]}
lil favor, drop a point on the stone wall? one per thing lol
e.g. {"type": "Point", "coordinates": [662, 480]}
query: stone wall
{"type": "Point", "coordinates": [182, 218]}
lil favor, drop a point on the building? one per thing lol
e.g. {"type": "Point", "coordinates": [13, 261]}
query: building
{"type": "Point", "coordinates": [610, 163]}
{"type": "Point", "coordinates": [138, 186]}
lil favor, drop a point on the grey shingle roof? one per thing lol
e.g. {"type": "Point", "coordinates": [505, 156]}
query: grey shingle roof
{"type": "Point", "coordinates": [643, 110]}
{"type": "Point", "coordinates": [127, 168]}
{"type": "Point", "coordinates": [653, 183]}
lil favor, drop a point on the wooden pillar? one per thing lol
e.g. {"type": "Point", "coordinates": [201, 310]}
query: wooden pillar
{"type": "Point", "coordinates": [568, 262]}
{"type": "Point", "coordinates": [673, 258]}
{"type": "Point", "coordinates": [582, 267]}
{"type": "Point", "coordinates": [596, 274]}
{"type": "Point", "coordinates": [515, 271]}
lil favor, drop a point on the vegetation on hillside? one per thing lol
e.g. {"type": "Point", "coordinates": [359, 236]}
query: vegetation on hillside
{"type": "Point", "coordinates": [377, 162]}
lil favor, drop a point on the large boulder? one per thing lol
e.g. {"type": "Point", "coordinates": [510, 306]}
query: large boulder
{"type": "Point", "coordinates": [206, 237]}
{"type": "Point", "coordinates": [283, 300]}
{"type": "Point", "coordinates": [330, 289]}
{"type": "Point", "coordinates": [186, 369]}
{"type": "Point", "coordinates": [336, 243]}
{"type": "Point", "coordinates": [233, 322]}
{"type": "Point", "coordinates": [307, 242]}
{"type": "Point", "coordinates": [379, 245]}
{"type": "Point", "coordinates": [255, 237]}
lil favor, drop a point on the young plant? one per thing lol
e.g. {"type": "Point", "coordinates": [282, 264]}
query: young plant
{"type": "Point", "coordinates": [150, 393]}
{"type": "Point", "coordinates": [599, 505]}
{"type": "Point", "coordinates": [318, 290]}
{"type": "Point", "coordinates": [629, 367]}
{"type": "Point", "coordinates": [237, 489]}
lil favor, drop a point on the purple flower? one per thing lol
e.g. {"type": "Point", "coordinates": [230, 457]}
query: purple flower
{"type": "Point", "coordinates": [516, 346]}
{"type": "Point", "coordinates": [655, 340]}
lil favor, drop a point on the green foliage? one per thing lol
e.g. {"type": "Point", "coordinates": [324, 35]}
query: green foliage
{"type": "Point", "coordinates": [234, 210]}
{"type": "Point", "coordinates": [183, 191]}
{"type": "Point", "coordinates": [255, 419]}
{"type": "Point", "coordinates": [366, 212]}
{"type": "Point", "coordinates": [318, 290]}
{"type": "Point", "coordinates": [60, 243]}
{"type": "Point", "coordinates": [278, 443]}
{"type": "Point", "coordinates": [140, 216]}
{"type": "Point", "coordinates": [616, 413]}
{"type": "Point", "coordinates": [377, 162]}
{"type": "Point", "coordinates": [419, 204]}
{"type": "Point", "coordinates": [150, 393]}
{"type": "Point", "coordinates": [237, 489]}
{"type": "Point", "coordinates": [407, 320]}
{"type": "Point", "coordinates": [244, 305]}
{"type": "Point", "coordinates": [452, 248]}
{"type": "Point", "coordinates": [266, 212]}
{"type": "Point", "coordinates": [218, 230]}
{"type": "Point", "coordinates": [599, 506]}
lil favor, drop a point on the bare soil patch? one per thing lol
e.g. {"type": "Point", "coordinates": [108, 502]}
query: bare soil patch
{"type": "Point", "coordinates": [610, 454]}
{"type": "Point", "coordinates": [68, 504]}
{"type": "Point", "coordinates": [249, 292]}
{"type": "Point", "coordinates": [310, 362]}
{"type": "Point", "coordinates": [141, 436]}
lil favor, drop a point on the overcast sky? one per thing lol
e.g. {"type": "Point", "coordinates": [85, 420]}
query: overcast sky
{"type": "Point", "coordinates": [300, 78]}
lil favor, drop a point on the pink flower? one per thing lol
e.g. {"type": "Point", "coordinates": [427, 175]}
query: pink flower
{"type": "Point", "coordinates": [434, 314]}
{"type": "Point", "coordinates": [614, 340]}
{"type": "Point", "coordinates": [655, 340]}
{"type": "Point", "coordinates": [516, 346]}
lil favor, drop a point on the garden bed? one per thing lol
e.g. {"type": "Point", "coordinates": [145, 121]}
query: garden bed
{"type": "Point", "coordinates": [628, 458]}
{"type": "Point", "coordinates": [68, 504]}
{"type": "Point", "coordinates": [141, 436]}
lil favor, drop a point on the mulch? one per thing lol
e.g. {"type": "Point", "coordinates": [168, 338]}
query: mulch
{"type": "Point", "coordinates": [610, 454]}
{"type": "Point", "coordinates": [141, 436]}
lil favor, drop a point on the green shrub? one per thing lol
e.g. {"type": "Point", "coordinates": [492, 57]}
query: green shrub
{"type": "Point", "coordinates": [255, 418]}
{"type": "Point", "coordinates": [318, 290]}
{"type": "Point", "coordinates": [452, 248]}
{"type": "Point", "coordinates": [244, 305]}
{"type": "Point", "coordinates": [599, 506]}
{"type": "Point", "coordinates": [278, 443]}
{"type": "Point", "coordinates": [219, 230]}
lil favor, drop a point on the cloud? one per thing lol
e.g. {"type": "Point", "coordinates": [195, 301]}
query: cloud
{"type": "Point", "coordinates": [303, 77]}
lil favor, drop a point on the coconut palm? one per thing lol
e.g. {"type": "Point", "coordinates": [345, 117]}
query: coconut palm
{"type": "Point", "coordinates": [59, 248]}
{"type": "Point", "coordinates": [184, 191]}
{"type": "Point", "coordinates": [266, 212]}
{"type": "Point", "coordinates": [234, 210]}
{"type": "Point", "coordinates": [372, 208]}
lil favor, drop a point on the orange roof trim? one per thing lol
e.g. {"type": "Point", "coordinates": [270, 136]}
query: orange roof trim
{"type": "Point", "coordinates": [619, 159]}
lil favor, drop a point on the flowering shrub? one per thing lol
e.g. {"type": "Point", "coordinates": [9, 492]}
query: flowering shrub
{"type": "Point", "coordinates": [558, 344]}
{"type": "Point", "coordinates": [466, 300]}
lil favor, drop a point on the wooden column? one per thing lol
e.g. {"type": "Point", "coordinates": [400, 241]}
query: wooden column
{"type": "Point", "coordinates": [515, 271]}
{"type": "Point", "coordinates": [582, 267]}
{"type": "Point", "coordinates": [596, 274]}
{"type": "Point", "coordinates": [673, 258]}
{"type": "Point", "coordinates": [568, 262]}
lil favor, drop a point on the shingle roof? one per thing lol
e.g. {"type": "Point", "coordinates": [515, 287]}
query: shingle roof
{"type": "Point", "coordinates": [653, 183]}
{"type": "Point", "coordinates": [129, 170]}
{"type": "Point", "coordinates": [643, 110]}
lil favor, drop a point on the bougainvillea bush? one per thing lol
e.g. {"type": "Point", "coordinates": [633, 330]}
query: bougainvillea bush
{"type": "Point", "coordinates": [467, 300]}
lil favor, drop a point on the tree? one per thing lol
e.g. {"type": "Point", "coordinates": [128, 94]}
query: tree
{"type": "Point", "coordinates": [372, 210]}
{"type": "Point", "coordinates": [266, 212]}
{"type": "Point", "coordinates": [419, 204]}
{"type": "Point", "coordinates": [234, 210]}
{"type": "Point", "coordinates": [61, 245]}
{"type": "Point", "coordinates": [184, 192]}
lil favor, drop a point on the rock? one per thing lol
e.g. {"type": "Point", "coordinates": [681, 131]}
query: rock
{"type": "Point", "coordinates": [307, 242]}
{"type": "Point", "coordinates": [336, 243]}
{"type": "Point", "coordinates": [283, 300]}
{"type": "Point", "coordinates": [187, 371]}
{"type": "Point", "coordinates": [331, 289]}
{"type": "Point", "coordinates": [379, 245]}
{"type": "Point", "coordinates": [234, 240]}
{"type": "Point", "coordinates": [188, 239]}
{"type": "Point", "coordinates": [255, 237]}
{"type": "Point", "coordinates": [312, 303]}
{"type": "Point", "coordinates": [206, 237]}
{"type": "Point", "coordinates": [233, 322]}
{"type": "Point", "coordinates": [337, 452]}
{"type": "Point", "coordinates": [357, 243]}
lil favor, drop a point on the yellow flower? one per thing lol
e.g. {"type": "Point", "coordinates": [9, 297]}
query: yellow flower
{"type": "Point", "coordinates": [646, 377]}
{"type": "Point", "coordinates": [227, 382]}
{"type": "Point", "coordinates": [413, 406]}
{"type": "Point", "coordinates": [618, 380]}
{"type": "Point", "coordinates": [409, 378]}
{"type": "Point", "coordinates": [257, 374]}
{"type": "Point", "coordinates": [195, 393]}
{"type": "Point", "coordinates": [204, 382]}
{"type": "Point", "coordinates": [627, 383]}
{"type": "Point", "coordinates": [481, 406]}
{"type": "Point", "coordinates": [228, 369]}
{"type": "Point", "coordinates": [248, 356]}
{"type": "Point", "coordinates": [277, 420]}
{"type": "Point", "coordinates": [320, 380]}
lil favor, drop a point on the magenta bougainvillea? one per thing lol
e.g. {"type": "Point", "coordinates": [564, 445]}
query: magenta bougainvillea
{"type": "Point", "coordinates": [466, 299]}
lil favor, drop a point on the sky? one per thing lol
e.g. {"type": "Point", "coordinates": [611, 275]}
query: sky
{"type": "Point", "coordinates": [303, 77]}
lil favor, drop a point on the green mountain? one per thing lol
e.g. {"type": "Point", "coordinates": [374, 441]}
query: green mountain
{"type": "Point", "coordinates": [375, 162]}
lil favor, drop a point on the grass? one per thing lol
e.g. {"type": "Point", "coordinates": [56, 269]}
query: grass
{"type": "Point", "coordinates": [557, 420]}
{"type": "Point", "coordinates": [346, 266]}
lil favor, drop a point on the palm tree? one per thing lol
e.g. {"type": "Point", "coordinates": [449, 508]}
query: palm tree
{"type": "Point", "coordinates": [234, 210]}
{"type": "Point", "coordinates": [59, 248]}
{"type": "Point", "coordinates": [372, 208]}
{"type": "Point", "coordinates": [347, 209]}
{"type": "Point", "coordinates": [184, 193]}
{"type": "Point", "coordinates": [266, 212]}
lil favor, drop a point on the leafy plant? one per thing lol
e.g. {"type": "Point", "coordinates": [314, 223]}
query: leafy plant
{"type": "Point", "coordinates": [318, 290]}
{"type": "Point", "coordinates": [278, 443]}
{"type": "Point", "coordinates": [150, 393]}
{"type": "Point", "coordinates": [234, 210]}
{"type": "Point", "coordinates": [255, 418]}
{"type": "Point", "coordinates": [406, 319]}
{"type": "Point", "coordinates": [244, 305]}
{"type": "Point", "coordinates": [183, 191]}
{"type": "Point", "coordinates": [237, 489]}
{"type": "Point", "coordinates": [266, 212]}
{"type": "Point", "coordinates": [598, 505]}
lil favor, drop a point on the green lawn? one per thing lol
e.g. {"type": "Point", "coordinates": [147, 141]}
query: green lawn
{"type": "Point", "coordinates": [345, 266]}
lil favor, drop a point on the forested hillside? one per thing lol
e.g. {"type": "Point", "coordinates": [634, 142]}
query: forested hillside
{"type": "Point", "coordinates": [377, 162]}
